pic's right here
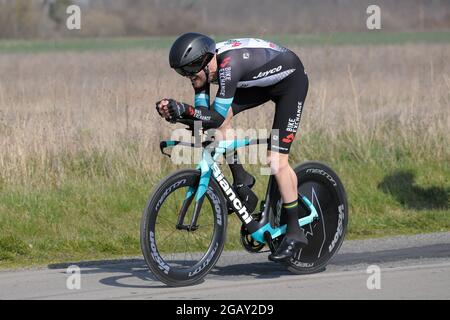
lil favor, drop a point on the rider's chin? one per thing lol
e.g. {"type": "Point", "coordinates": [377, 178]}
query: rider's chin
{"type": "Point", "coordinates": [198, 83]}
{"type": "Point", "coordinates": [212, 77]}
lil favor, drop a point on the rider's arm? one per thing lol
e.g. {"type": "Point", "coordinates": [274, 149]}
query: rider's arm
{"type": "Point", "coordinates": [228, 77]}
{"type": "Point", "coordinates": [202, 97]}
{"type": "Point", "coordinates": [210, 119]}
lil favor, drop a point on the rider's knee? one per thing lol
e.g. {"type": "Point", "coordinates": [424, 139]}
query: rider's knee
{"type": "Point", "coordinates": [278, 162]}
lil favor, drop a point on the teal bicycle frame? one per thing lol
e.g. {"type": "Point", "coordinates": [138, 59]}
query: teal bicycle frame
{"type": "Point", "coordinates": [262, 230]}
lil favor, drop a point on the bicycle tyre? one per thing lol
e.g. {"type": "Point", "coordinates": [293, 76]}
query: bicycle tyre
{"type": "Point", "coordinates": [176, 277]}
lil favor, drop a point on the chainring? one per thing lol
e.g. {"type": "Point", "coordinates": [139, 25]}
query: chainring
{"type": "Point", "coordinates": [247, 241]}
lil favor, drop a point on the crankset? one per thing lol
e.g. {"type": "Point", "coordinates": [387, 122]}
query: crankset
{"type": "Point", "coordinates": [247, 241]}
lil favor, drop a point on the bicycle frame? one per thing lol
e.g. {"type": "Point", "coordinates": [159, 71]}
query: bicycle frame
{"type": "Point", "coordinates": [262, 230]}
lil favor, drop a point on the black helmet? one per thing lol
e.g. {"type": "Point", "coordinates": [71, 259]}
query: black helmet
{"type": "Point", "coordinates": [191, 52]}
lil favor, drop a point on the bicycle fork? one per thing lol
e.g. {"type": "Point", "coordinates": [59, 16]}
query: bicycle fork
{"type": "Point", "coordinates": [199, 193]}
{"type": "Point", "coordinates": [192, 226]}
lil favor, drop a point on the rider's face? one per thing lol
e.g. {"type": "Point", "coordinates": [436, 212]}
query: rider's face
{"type": "Point", "coordinates": [198, 80]}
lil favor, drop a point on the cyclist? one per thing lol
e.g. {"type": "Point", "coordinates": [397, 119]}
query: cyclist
{"type": "Point", "coordinates": [249, 72]}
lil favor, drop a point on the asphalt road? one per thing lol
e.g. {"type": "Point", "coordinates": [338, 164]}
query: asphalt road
{"type": "Point", "coordinates": [412, 267]}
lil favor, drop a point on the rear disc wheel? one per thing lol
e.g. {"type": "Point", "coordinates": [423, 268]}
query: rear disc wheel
{"type": "Point", "coordinates": [323, 188]}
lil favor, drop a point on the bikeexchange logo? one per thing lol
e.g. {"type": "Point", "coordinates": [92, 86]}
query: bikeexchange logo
{"type": "Point", "coordinates": [294, 123]}
{"type": "Point", "coordinates": [224, 76]}
{"type": "Point", "coordinates": [225, 62]}
{"type": "Point", "coordinates": [288, 139]}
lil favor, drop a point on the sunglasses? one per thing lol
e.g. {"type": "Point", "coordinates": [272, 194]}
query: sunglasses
{"type": "Point", "coordinates": [194, 67]}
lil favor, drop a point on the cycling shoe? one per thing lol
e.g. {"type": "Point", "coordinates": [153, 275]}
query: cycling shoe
{"type": "Point", "coordinates": [288, 247]}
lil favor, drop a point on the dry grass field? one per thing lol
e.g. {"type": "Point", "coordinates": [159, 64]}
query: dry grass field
{"type": "Point", "coordinates": [56, 106]}
{"type": "Point", "coordinates": [79, 142]}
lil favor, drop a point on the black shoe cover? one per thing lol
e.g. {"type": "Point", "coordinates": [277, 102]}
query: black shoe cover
{"type": "Point", "coordinates": [246, 180]}
{"type": "Point", "coordinates": [288, 247]}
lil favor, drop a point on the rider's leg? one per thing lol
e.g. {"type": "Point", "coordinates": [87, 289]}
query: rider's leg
{"type": "Point", "coordinates": [243, 100]}
{"type": "Point", "coordinates": [240, 176]}
{"type": "Point", "coordinates": [284, 175]}
{"type": "Point", "coordinates": [287, 184]}
{"type": "Point", "coordinates": [289, 99]}
{"type": "Point", "coordinates": [286, 178]}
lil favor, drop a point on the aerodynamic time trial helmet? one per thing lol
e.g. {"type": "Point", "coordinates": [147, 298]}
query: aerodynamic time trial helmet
{"type": "Point", "coordinates": [191, 52]}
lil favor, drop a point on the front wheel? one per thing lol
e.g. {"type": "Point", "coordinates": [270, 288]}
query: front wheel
{"type": "Point", "coordinates": [323, 188]}
{"type": "Point", "coordinates": [176, 254]}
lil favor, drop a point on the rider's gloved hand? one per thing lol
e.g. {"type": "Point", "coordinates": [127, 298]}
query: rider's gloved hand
{"type": "Point", "coordinates": [178, 109]}
{"type": "Point", "coordinates": [158, 107]}
{"type": "Point", "coordinates": [161, 108]}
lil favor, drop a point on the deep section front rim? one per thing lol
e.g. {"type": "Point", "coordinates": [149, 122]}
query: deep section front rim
{"type": "Point", "coordinates": [185, 261]}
